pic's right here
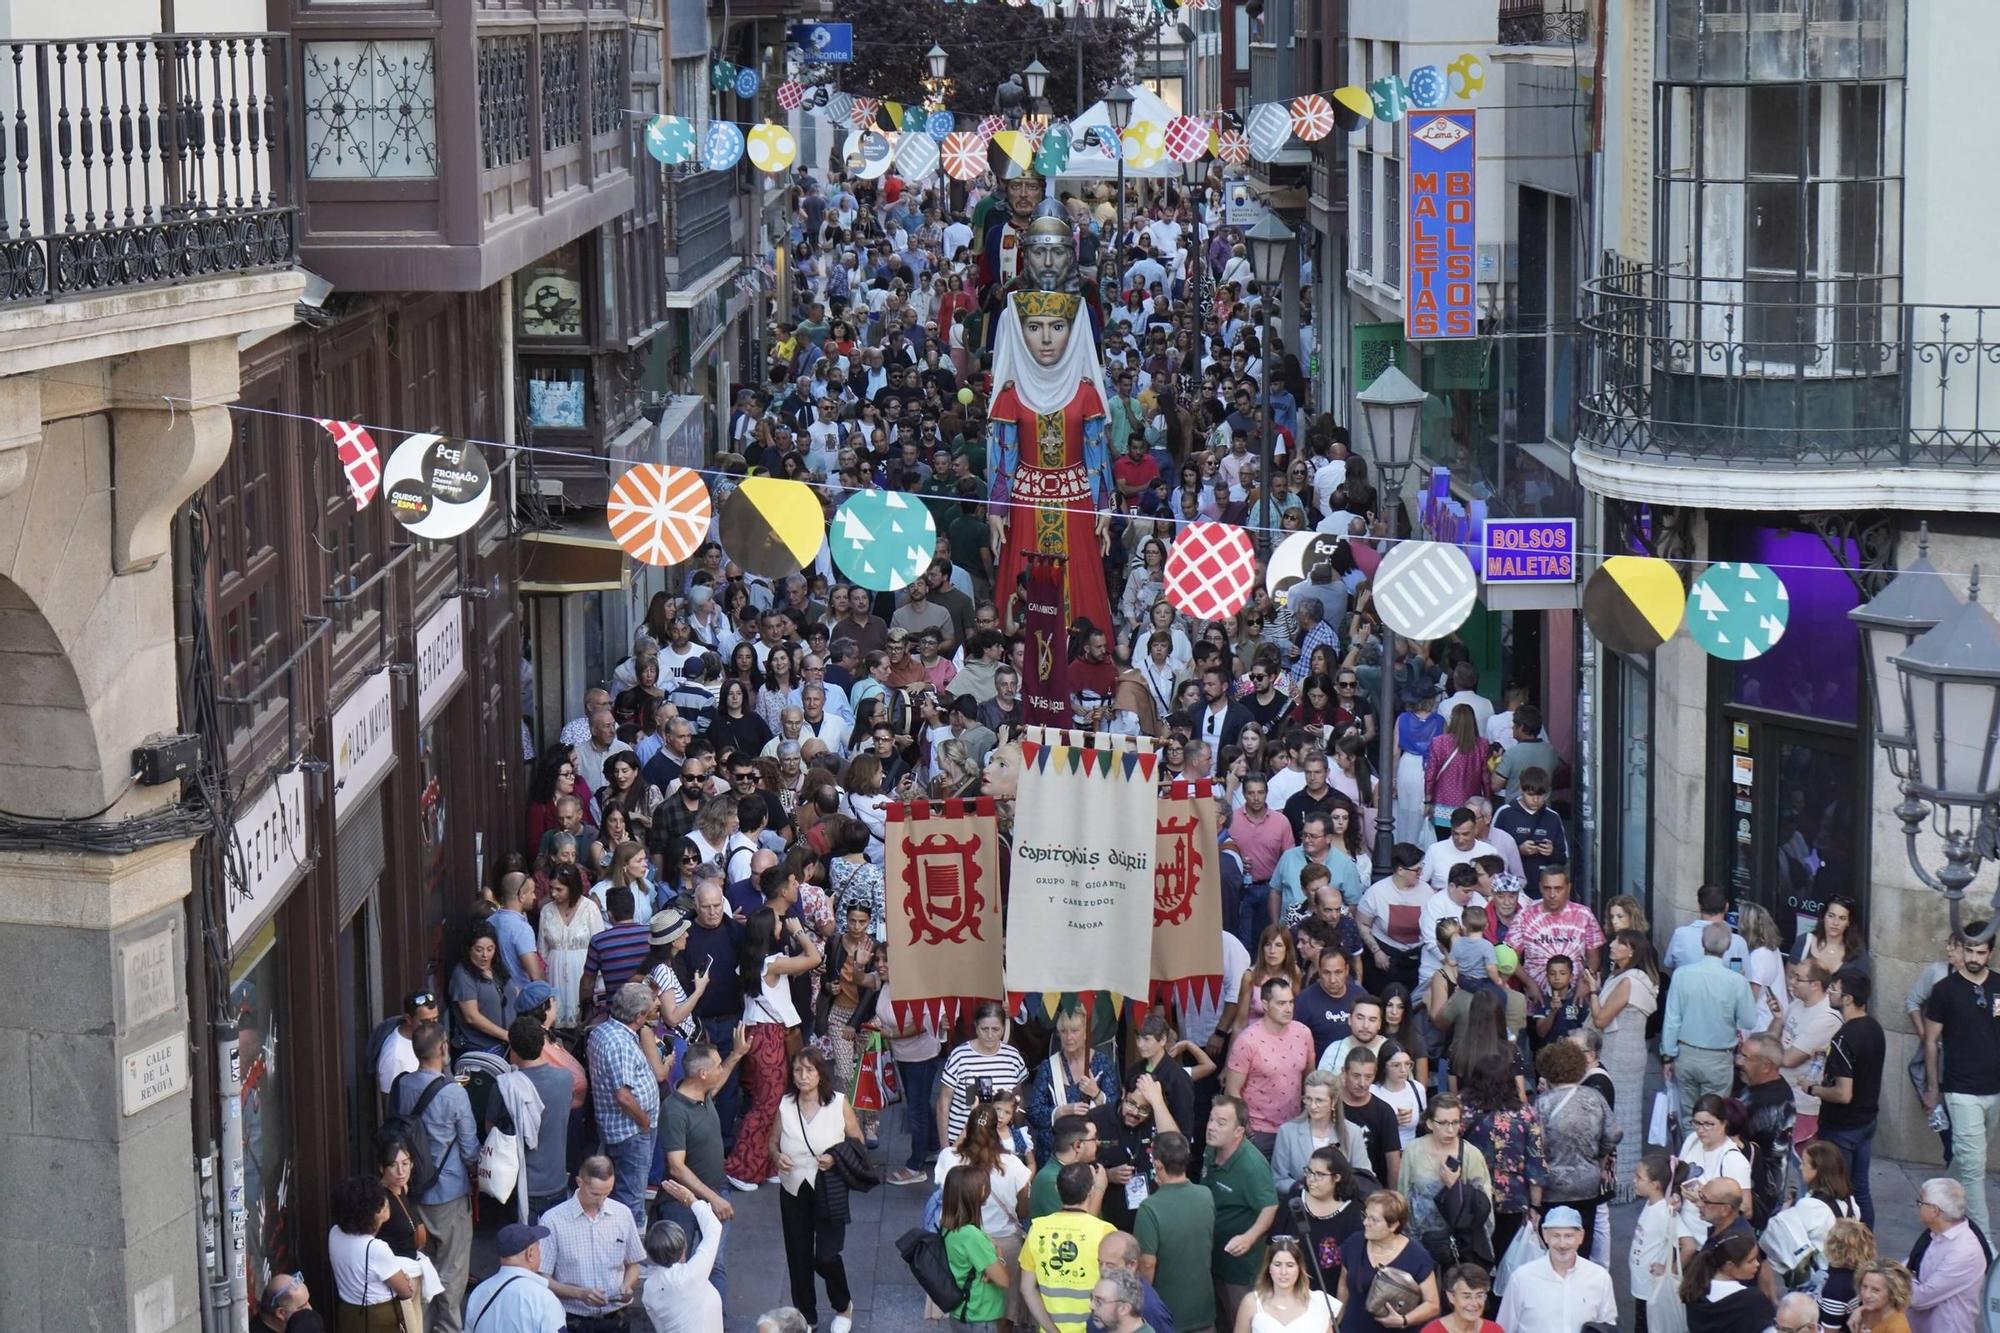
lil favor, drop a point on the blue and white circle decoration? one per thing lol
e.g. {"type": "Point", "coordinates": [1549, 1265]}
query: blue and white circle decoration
{"type": "Point", "coordinates": [746, 83]}
{"type": "Point", "coordinates": [940, 125]}
{"type": "Point", "coordinates": [1427, 86]}
{"type": "Point", "coordinates": [721, 146]}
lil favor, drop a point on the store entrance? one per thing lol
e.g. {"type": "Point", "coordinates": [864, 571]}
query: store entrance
{"type": "Point", "coordinates": [1788, 817]}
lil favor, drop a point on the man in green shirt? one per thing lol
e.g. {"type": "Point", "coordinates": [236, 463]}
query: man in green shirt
{"type": "Point", "coordinates": [1072, 1138]}
{"type": "Point", "coordinates": [1246, 1203]}
{"type": "Point", "coordinates": [1176, 1231]}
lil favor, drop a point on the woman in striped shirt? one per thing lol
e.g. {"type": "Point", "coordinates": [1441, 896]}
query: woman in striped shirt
{"type": "Point", "coordinates": [985, 1061]}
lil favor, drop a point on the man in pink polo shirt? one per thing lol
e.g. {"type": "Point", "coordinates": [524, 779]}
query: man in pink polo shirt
{"type": "Point", "coordinates": [1262, 835]}
{"type": "Point", "coordinates": [1268, 1064]}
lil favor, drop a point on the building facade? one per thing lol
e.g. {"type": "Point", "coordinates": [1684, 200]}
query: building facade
{"type": "Point", "coordinates": [1790, 333]}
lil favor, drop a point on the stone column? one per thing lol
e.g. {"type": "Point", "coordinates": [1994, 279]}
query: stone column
{"type": "Point", "coordinates": [98, 1225]}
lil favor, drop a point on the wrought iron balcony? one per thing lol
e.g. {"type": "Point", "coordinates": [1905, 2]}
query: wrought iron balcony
{"type": "Point", "coordinates": [1689, 372]}
{"type": "Point", "coordinates": [136, 161]}
{"type": "Point", "coordinates": [1529, 23]}
{"type": "Point", "coordinates": [700, 235]}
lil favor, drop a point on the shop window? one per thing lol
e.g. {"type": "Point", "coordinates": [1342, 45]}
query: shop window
{"type": "Point", "coordinates": [1815, 669]}
{"type": "Point", "coordinates": [1392, 222]}
{"type": "Point", "coordinates": [1364, 213]}
{"type": "Point", "coordinates": [257, 1006]}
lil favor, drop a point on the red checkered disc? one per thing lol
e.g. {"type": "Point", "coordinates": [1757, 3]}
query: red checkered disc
{"type": "Point", "coordinates": [1187, 138]}
{"type": "Point", "coordinates": [1211, 570]}
{"type": "Point", "coordinates": [990, 126]}
{"type": "Point", "coordinates": [1312, 117]}
{"type": "Point", "coordinates": [791, 95]}
{"type": "Point", "coordinates": [964, 155]}
{"type": "Point", "coordinates": [359, 458]}
{"type": "Point", "coordinates": [1232, 146]}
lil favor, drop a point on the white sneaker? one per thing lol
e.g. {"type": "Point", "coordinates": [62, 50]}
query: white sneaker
{"type": "Point", "coordinates": [742, 1186]}
{"type": "Point", "coordinates": [841, 1324]}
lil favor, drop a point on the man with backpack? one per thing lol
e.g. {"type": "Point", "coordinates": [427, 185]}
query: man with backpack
{"type": "Point", "coordinates": [431, 1113]}
{"type": "Point", "coordinates": [390, 1053]}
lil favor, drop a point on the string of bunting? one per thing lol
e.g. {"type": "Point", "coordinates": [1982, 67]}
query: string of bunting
{"type": "Point", "coordinates": [891, 133]}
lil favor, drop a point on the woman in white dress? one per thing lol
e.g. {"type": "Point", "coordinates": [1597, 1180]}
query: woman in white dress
{"type": "Point", "coordinates": [1619, 1007]}
{"type": "Point", "coordinates": [1283, 1301]}
{"type": "Point", "coordinates": [569, 918]}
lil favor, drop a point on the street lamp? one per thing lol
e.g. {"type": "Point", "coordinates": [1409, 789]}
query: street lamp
{"type": "Point", "coordinates": [1118, 111]}
{"type": "Point", "coordinates": [1196, 174]}
{"type": "Point", "coordinates": [936, 59]}
{"type": "Point", "coordinates": [1392, 412]}
{"type": "Point", "coordinates": [1036, 77]}
{"type": "Point", "coordinates": [1914, 602]}
{"type": "Point", "coordinates": [1270, 251]}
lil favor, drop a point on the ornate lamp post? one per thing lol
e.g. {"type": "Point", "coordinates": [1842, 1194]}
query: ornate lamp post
{"type": "Point", "coordinates": [1271, 243]}
{"type": "Point", "coordinates": [1392, 411]}
{"type": "Point", "coordinates": [936, 59]}
{"type": "Point", "coordinates": [1195, 173]}
{"type": "Point", "coordinates": [1118, 110]}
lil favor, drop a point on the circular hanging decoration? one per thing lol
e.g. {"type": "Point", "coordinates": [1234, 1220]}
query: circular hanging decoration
{"type": "Point", "coordinates": [771, 526]}
{"type": "Point", "coordinates": [916, 155]}
{"type": "Point", "coordinates": [670, 139]}
{"type": "Point", "coordinates": [862, 114]}
{"type": "Point", "coordinates": [721, 146]}
{"type": "Point", "coordinates": [964, 156]}
{"type": "Point", "coordinates": [1294, 559]}
{"type": "Point", "coordinates": [940, 125]}
{"type": "Point", "coordinates": [1633, 604]}
{"type": "Point", "coordinates": [746, 83]}
{"type": "Point", "coordinates": [1425, 590]}
{"type": "Point", "coordinates": [1144, 144]}
{"type": "Point", "coordinates": [1232, 146]}
{"type": "Point", "coordinates": [1312, 117]}
{"type": "Point", "coordinates": [1468, 75]}
{"type": "Point", "coordinates": [437, 488]}
{"type": "Point", "coordinates": [1738, 611]}
{"type": "Point", "coordinates": [989, 126]}
{"type": "Point", "coordinates": [1355, 100]}
{"type": "Point", "coordinates": [874, 153]}
{"type": "Point", "coordinates": [1211, 570]}
{"type": "Point", "coordinates": [1269, 129]}
{"type": "Point", "coordinates": [659, 514]}
{"type": "Point", "coordinates": [1052, 157]}
{"type": "Point", "coordinates": [840, 108]}
{"type": "Point", "coordinates": [791, 95]}
{"type": "Point", "coordinates": [1391, 98]}
{"type": "Point", "coordinates": [1427, 87]}
{"type": "Point", "coordinates": [771, 147]}
{"type": "Point", "coordinates": [1187, 139]}
{"type": "Point", "coordinates": [883, 540]}
{"type": "Point", "coordinates": [722, 76]}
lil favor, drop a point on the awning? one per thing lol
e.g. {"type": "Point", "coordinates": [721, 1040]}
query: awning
{"type": "Point", "coordinates": [577, 555]}
{"type": "Point", "coordinates": [1284, 198]}
{"type": "Point", "coordinates": [685, 298]}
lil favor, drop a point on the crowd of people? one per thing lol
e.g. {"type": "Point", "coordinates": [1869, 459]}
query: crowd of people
{"type": "Point", "coordinates": [1426, 1079]}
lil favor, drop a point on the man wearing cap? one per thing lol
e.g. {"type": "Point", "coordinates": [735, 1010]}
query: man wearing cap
{"type": "Point", "coordinates": [592, 1254]}
{"type": "Point", "coordinates": [1561, 1291]}
{"type": "Point", "coordinates": [516, 1299]}
{"type": "Point", "coordinates": [397, 1056]}
{"type": "Point", "coordinates": [287, 1304]}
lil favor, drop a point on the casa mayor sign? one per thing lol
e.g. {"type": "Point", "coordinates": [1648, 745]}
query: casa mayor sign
{"type": "Point", "coordinates": [364, 742]}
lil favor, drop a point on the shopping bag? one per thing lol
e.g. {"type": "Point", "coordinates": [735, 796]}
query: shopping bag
{"type": "Point", "coordinates": [892, 1078]}
{"type": "Point", "coordinates": [1525, 1248]}
{"type": "Point", "coordinates": [1663, 1129]}
{"type": "Point", "coordinates": [1664, 1311]}
{"type": "Point", "coordinates": [499, 1163]}
{"type": "Point", "coordinates": [868, 1093]}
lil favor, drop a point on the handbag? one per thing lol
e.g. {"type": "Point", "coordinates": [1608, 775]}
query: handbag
{"type": "Point", "coordinates": [1392, 1289]}
{"type": "Point", "coordinates": [869, 1094]}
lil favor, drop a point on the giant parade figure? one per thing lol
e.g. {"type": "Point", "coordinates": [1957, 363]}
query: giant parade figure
{"type": "Point", "coordinates": [1052, 484]}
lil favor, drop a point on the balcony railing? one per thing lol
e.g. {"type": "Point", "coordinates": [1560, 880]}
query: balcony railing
{"type": "Point", "coordinates": [698, 236]}
{"type": "Point", "coordinates": [134, 161]}
{"type": "Point", "coordinates": [1687, 371]}
{"type": "Point", "coordinates": [1530, 23]}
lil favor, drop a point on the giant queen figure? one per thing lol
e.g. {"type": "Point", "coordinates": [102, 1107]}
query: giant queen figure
{"type": "Point", "coordinates": [1052, 482]}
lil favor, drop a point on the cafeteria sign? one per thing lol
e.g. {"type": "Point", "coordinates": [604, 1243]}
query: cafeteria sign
{"type": "Point", "coordinates": [1441, 294]}
{"type": "Point", "coordinates": [1529, 550]}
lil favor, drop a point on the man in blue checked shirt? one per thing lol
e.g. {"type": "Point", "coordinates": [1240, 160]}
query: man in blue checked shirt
{"type": "Point", "coordinates": [626, 1068]}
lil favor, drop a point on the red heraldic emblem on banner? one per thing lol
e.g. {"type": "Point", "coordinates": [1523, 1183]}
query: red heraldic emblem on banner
{"type": "Point", "coordinates": [1187, 898]}
{"type": "Point", "coordinates": [941, 884]}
